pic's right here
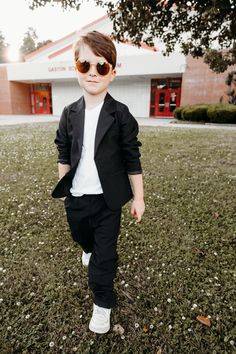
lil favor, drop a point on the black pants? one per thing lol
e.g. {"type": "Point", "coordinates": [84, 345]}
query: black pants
{"type": "Point", "coordinates": [96, 228]}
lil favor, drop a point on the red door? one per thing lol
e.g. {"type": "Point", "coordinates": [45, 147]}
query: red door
{"type": "Point", "coordinates": [41, 98]}
{"type": "Point", "coordinates": [165, 97]}
{"type": "Point", "coordinates": [41, 103]}
{"type": "Point", "coordinates": [166, 102]}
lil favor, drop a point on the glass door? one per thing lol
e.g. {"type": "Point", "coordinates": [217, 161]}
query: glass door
{"type": "Point", "coordinates": [41, 99]}
{"type": "Point", "coordinates": [165, 97]}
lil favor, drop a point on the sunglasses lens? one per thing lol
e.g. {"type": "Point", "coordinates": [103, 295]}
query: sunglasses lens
{"type": "Point", "coordinates": [103, 69]}
{"type": "Point", "coordinates": [82, 67]}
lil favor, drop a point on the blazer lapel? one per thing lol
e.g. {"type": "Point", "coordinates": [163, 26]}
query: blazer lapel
{"type": "Point", "coordinates": [105, 120]}
{"type": "Point", "coordinates": [77, 121]}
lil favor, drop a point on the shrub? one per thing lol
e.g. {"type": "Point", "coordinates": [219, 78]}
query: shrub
{"type": "Point", "coordinates": [222, 113]}
{"type": "Point", "coordinates": [197, 113]}
{"type": "Point", "coordinates": [178, 112]}
{"type": "Point", "coordinates": [214, 113]}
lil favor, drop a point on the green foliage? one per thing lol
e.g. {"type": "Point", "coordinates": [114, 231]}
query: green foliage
{"type": "Point", "coordinates": [206, 22]}
{"type": "Point", "coordinates": [178, 113]}
{"type": "Point", "coordinates": [178, 263]}
{"type": "Point", "coordinates": [3, 49]}
{"type": "Point", "coordinates": [43, 43]}
{"type": "Point", "coordinates": [29, 42]}
{"type": "Point", "coordinates": [197, 113]}
{"type": "Point", "coordinates": [231, 83]}
{"type": "Point", "coordinates": [214, 113]}
{"type": "Point", "coordinates": [222, 113]}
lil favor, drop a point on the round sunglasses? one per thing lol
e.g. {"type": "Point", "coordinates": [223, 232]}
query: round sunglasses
{"type": "Point", "coordinates": [103, 68]}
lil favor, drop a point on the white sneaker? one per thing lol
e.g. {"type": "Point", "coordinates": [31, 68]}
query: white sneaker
{"type": "Point", "coordinates": [100, 321]}
{"type": "Point", "coordinates": [86, 258]}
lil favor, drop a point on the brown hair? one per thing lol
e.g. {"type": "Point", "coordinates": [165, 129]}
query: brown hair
{"type": "Point", "coordinates": [100, 44]}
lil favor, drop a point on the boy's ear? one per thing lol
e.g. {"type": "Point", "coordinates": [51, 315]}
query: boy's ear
{"type": "Point", "coordinates": [113, 74]}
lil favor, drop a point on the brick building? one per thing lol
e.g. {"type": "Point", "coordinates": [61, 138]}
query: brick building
{"type": "Point", "coordinates": [151, 84]}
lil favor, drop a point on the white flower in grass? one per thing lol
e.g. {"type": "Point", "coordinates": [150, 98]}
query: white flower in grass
{"type": "Point", "coordinates": [194, 306]}
{"type": "Point", "coordinates": [155, 309]}
{"type": "Point", "coordinates": [169, 300]}
{"type": "Point", "coordinates": [1, 300]}
{"type": "Point", "coordinates": [122, 282]}
{"type": "Point", "coordinates": [64, 338]}
{"type": "Point", "coordinates": [9, 328]}
{"type": "Point", "coordinates": [151, 326]}
{"type": "Point", "coordinates": [190, 330]}
{"type": "Point", "coordinates": [27, 317]}
{"type": "Point", "coordinates": [126, 285]}
{"type": "Point", "coordinates": [80, 316]}
{"type": "Point", "coordinates": [231, 343]}
{"type": "Point", "coordinates": [51, 344]}
{"type": "Point", "coordinates": [91, 342]}
{"type": "Point", "coordinates": [122, 337]}
{"type": "Point", "coordinates": [183, 318]}
{"type": "Point", "coordinates": [136, 325]}
{"type": "Point", "coordinates": [18, 303]}
{"type": "Point", "coordinates": [170, 327]}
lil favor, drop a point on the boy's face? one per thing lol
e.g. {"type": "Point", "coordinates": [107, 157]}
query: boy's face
{"type": "Point", "coordinates": [92, 82]}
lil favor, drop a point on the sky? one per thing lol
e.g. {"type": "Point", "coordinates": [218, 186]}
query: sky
{"type": "Point", "coordinates": [50, 22]}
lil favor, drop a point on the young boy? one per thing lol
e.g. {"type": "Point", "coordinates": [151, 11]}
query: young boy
{"type": "Point", "coordinates": [98, 157]}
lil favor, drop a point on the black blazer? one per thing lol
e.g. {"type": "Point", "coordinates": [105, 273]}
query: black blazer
{"type": "Point", "coordinates": [116, 152]}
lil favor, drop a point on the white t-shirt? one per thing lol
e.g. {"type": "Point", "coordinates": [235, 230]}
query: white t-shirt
{"type": "Point", "coordinates": [86, 179]}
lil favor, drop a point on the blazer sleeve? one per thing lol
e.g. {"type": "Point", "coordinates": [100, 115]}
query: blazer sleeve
{"type": "Point", "coordinates": [129, 143]}
{"type": "Point", "coordinates": [62, 140]}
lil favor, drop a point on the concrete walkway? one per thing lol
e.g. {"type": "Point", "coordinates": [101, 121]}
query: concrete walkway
{"type": "Point", "coordinates": [6, 120]}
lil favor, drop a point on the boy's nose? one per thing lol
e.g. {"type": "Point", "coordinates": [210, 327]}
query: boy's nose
{"type": "Point", "coordinates": [92, 70]}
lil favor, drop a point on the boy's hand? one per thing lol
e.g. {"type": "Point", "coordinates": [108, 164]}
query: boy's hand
{"type": "Point", "coordinates": [137, 209]}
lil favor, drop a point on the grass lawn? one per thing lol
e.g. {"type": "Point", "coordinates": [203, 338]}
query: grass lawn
{"type": "Point", "coordinates": [179, 263]}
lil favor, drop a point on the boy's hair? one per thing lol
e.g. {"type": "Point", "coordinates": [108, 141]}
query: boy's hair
{"type": "Point", "coordinates": [100, 44]}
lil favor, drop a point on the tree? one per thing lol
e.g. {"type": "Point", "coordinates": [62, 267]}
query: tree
{"type": "Point", "coordinates": [43, 43]}
{"type": "Point", "coordinates": [201, 28]}
{"type": "Point", "coordinates": [3, 49]}
{"type": "Point", "coordinates": [231, 83]}
{"type": "Point", "coordinates": [29, 42]}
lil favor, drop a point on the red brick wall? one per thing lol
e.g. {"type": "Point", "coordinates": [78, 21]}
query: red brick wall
{"type": "Point", "coordinates": [20, 94]}
{"type": "Point", "coordinates": [14, 96]}
{"type": "Point", "coordinates": [201, 85]}
{"type": "Point", "coordinates": [5, 96]}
